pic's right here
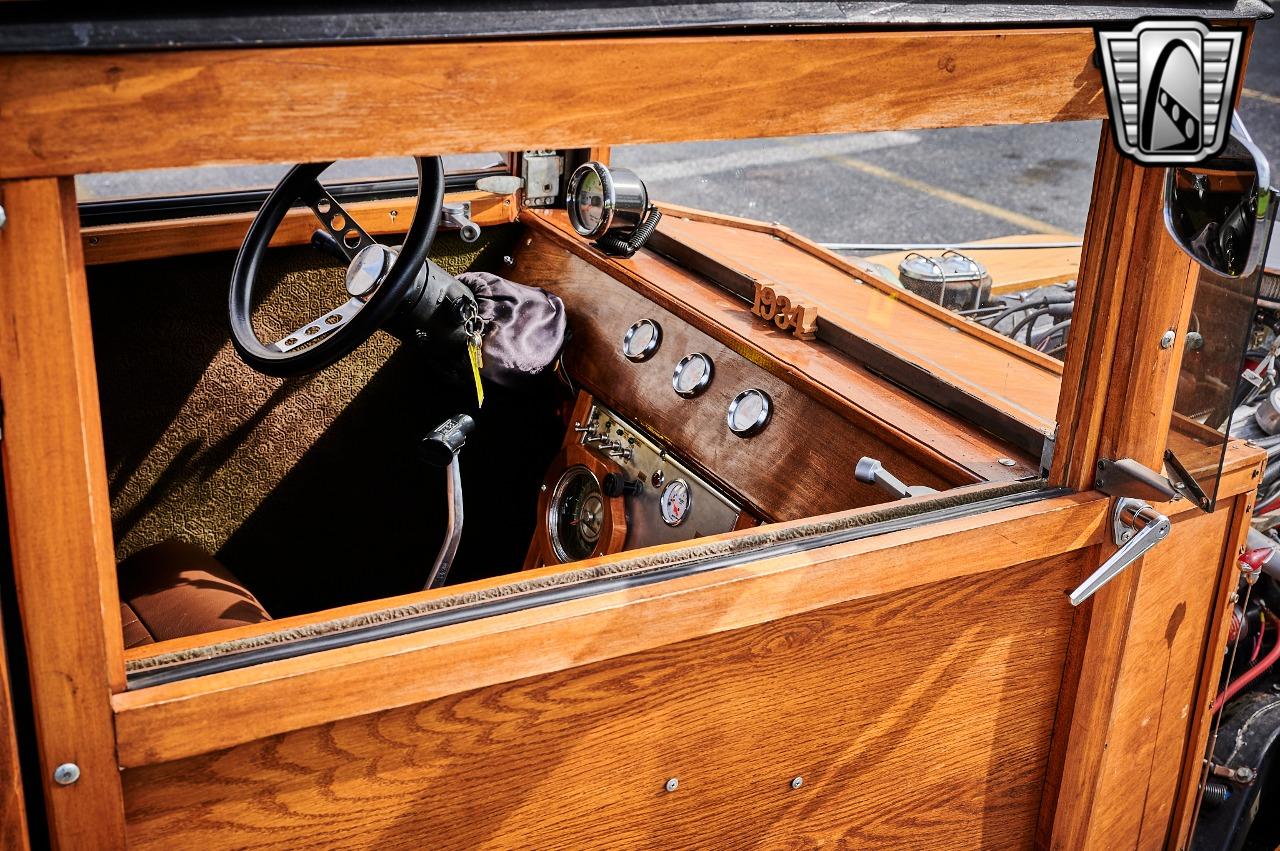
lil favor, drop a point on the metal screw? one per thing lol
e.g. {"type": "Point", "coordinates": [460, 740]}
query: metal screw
{"type": "Point", "coordinates": [1166, 339]}
{"type": "Point", "coordinates": [4, 217]}
{"type": "Point", "coordinates": [506, 259]}
{"type": "Point", "coordinates": [393, 214]}
{"type": "Point", "coordinates": [66, 774]}
{"type": "Point", "coordinates": [1007, 462]}
{"type": "Point", "coordinates": [544, 486]}
{"type": "Point", "coordinates": [672, 785]}
{"type": "Point", "coordinates": [93, 240]}
{"type": "Point", "coordinates": [797, 782]}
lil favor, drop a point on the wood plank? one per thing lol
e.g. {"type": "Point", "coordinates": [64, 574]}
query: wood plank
{"type": "Point", "coordinates": [176, 237]}
{"type": "Point", "coordinates": [267, 105]}
{"type": "Point", "coordinates": [13, 806]}
{"type": "Point", "coordinates": [1007, 375]}
{"type": "Point", "coordinates": [1159, 672]}
{"type": "Point", "coordinates": [153, 724]}
{"type": "Point", "coordinates": [914, 427]}
{"type": "Point", "coordinates": [578, 758]}
{"type": "Point", "coordinates": [1012, 269]}
{"type": "Point", "coordinates": [59, 511]}
{"type": "Point", "coordinates": [854, 269]}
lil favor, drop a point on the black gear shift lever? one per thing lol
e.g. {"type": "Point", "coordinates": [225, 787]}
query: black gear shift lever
{"type": "Point", "coordinates": [440, 448]}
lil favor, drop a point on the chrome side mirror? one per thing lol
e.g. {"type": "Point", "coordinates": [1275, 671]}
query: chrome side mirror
{"type": "Point", "coordinates": [1219, 210]}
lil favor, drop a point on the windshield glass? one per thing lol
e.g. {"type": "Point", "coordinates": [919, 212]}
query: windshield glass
{"type": "Point", "coordinates": [162, 182]}
{"type": "Point", "coordinates": [973, 230]}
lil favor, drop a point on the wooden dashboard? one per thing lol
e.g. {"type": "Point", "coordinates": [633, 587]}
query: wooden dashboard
{"type": "Point", "coordinates": [828, 411]}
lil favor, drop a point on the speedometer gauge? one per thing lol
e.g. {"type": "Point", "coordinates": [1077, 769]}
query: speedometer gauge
{"type": "Point", "coordinates": [601, 199]}
{"type": "Point", "coordinates": [675, 502]}
{"type": "Point", "coordinates": [575, 515]}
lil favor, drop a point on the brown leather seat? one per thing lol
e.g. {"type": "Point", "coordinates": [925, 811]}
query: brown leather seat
{"type": "Point", "coordinates": [172, 589]}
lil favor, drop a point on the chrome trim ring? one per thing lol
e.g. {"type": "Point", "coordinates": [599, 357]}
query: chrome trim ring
{"type": "Point", "coordinates": [609, 199]}
{"type": "Point", "coordinates": [649, 348]}
{"type": "Point", "coordinates": [705, 380]}
{"type": "Point", "coordinates": [762, 419]}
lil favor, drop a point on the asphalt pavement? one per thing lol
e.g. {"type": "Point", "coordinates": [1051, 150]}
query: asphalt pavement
{"type": "Point", "coordinates": [930, 186]}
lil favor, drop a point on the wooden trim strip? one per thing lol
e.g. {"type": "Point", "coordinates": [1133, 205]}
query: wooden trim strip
{"type": "Point", "coordinates": [55, 477]}
{"type": "Point", "coordinates": [267, 105]}
{"type": "Point", "coordinates": [480, 585]}
{"type": "Point", "coordinates": [154, 724]}
{"type": "Point", "coordinates": [225, 232]}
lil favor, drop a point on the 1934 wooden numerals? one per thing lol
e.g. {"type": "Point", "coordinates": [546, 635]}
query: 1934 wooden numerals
{"type": "Point", "coordinates": [779, 309]}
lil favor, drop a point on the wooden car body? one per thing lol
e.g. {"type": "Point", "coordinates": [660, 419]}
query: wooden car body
{"type": "Point", "coordinates": [837, 670]}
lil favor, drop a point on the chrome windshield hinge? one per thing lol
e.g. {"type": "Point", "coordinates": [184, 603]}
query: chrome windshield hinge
{"type": "Point", "coordinates": [1135, 527]}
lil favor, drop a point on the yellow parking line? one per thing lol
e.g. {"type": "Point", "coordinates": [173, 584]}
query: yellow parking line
{"type": "Point", "coordinates": [1027, 222]}
{"type": "Point", "coordinates": [1262, 96]}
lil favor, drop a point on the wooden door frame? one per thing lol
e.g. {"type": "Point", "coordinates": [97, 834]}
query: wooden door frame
{"type": "Point", "coordinates": [53, 451]}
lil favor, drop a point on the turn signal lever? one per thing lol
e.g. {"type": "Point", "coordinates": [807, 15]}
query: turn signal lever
{"type": "Point", "coordinates": [1135, 527]}
{"type": "Point", "coordinates": [440, 448]}
{"type": "Point", "coordinates": [872, 472]}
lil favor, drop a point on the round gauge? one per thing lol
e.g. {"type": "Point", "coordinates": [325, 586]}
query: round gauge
{"type": "Point", "coordinates": [575, 514]}
{"type": "Point", "coordinates": [692, 375]}
{"type": "Point", "coordinates": [600, 198]}
{"type": "Point", "coordinates": [642, 340]}
{"type": "Point", "coordinates": [674, 502]}
{"type": "Point", "coordinates": [588, 202]}
{"type": "Point", "coordinates": [749, 412]}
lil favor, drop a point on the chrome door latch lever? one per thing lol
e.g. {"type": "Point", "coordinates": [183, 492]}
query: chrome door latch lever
{"type": "Point", "coordinates": [1136, 527]}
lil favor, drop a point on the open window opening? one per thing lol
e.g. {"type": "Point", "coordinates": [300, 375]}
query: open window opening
{"type": "Point", "coordinates": [679, 421]}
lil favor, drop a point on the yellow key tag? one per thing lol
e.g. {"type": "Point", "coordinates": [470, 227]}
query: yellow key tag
{"type": "Point", "coordinates": [475, 355]}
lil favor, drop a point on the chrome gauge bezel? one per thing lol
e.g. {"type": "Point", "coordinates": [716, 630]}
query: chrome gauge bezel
{"type": "Point", "coordinates": [625, 199]}
{"type": "Point", "coordinates": [688, 502]}
{"type": "Point", "coordinates": [703, 383]}
{"type": "Point", "coordinates": [650, 347]}
{"type": "Point", "coordinates": [553, 509]}
{"type": "Point", "coordinates": [761, 420]}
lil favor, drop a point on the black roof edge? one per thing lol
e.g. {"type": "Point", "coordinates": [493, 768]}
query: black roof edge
{"type": "Point", "coordinates": [34, 26]}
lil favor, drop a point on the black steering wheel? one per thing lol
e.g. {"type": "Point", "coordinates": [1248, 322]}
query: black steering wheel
{"type": "Point", "coordinates": [386, 285]}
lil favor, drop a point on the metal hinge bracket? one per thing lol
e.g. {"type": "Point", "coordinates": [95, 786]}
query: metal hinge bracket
{"type": "Point", "coordinates": [1127, 477]}
{"type": "Point", "coordinates": [1135, 527]}
{"type": "Point", "coordinates": [542, 172]}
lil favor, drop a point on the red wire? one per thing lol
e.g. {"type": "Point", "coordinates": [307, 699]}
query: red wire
{"type": "Point", "coordinates": [1238, 684]}
{"type": "Point", "coordinates": [1257, 642]}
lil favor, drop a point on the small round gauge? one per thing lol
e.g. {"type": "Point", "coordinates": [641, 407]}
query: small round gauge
{"type": "Point", "coordinates": [749, 412]}
{"type": "Point", "coordinates": [601, 198]}
{"type": "Point", "coordinates": [575, 514]}
{"type": "Point", "coordinates": [589, 202]}
{"type": "Point", "coordinates": [692, 374]}
{"type": "Point", "coordinates": [642, 340]}
{"type": "Point", "coordinates": [675, 502]}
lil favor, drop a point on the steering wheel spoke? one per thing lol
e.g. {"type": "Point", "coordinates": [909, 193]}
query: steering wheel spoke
{"type": "Point", "coordinates": [347, 234]}
{"type": "Point", "coordinates": [320, 327]}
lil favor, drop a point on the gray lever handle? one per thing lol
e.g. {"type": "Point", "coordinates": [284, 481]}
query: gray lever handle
{"type": "Point", "coordinates": [1136, 527]}
{"type": "Point", "coordinates": [870, 471]}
